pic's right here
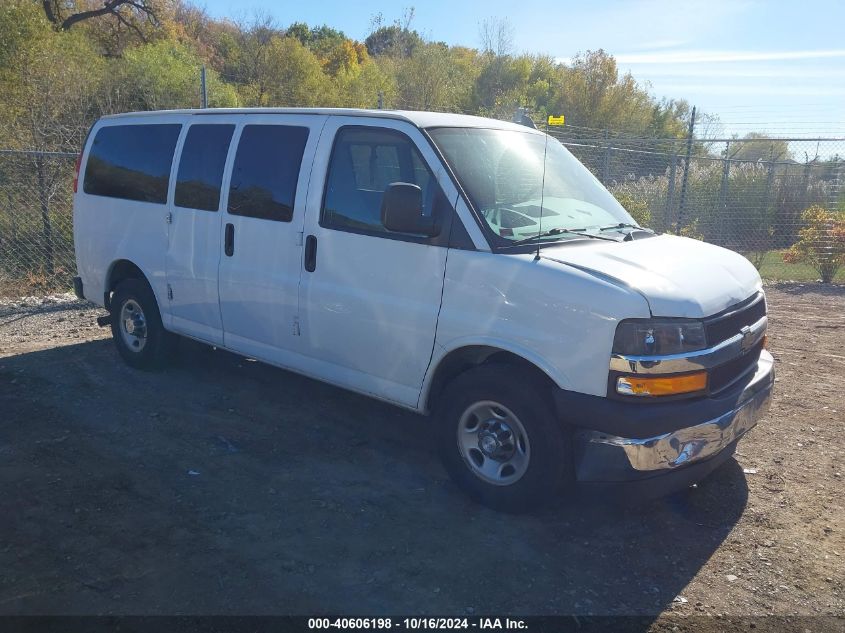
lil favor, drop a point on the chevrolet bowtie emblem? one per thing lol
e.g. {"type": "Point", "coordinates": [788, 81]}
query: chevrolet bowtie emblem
{"type": "Point", "coordinates": [747, 338]}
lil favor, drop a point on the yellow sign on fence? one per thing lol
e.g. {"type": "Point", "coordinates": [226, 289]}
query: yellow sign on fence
{"type": "Point", "coordinates": [555, 120]}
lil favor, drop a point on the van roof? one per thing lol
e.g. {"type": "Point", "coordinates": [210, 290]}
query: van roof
{"type": "Point", "coordinates": [417, 118]}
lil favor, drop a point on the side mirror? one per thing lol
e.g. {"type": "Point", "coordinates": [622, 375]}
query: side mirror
{"type": "Point", "coordinates": [401, 210]}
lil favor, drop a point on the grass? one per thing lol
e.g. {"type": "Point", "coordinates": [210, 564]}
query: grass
{"type": "Point", "coordinates": [775, 269]}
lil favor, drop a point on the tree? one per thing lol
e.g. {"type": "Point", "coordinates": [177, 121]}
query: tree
{"type": "Point", "coordinates": [756, 146]}
{"type": "Point", "coordinates": [821, 242]}
{"type": "Point", "coordinates": [496, 37]}
{"type": "Point", "coordinates": [319, 40]}
{"type": "Point", "coordinates": [396, 40]}
{"type": "Point", "coordinates": [360, 89]}
{"type": "Point", "coordinates": [427, 80]}
{"type": "Point", "coordinates": [295, 76]}
{"type": "Point", "coordinates": [502, 83]}
{"type": "Point", "coordinates": [162, 75]}
{"type": "Point", "coordinates": [127, 12]}
{"type": "Point", "coordinates": [246, 50]}
{"type": "Point", "coordinates": [48, 83]}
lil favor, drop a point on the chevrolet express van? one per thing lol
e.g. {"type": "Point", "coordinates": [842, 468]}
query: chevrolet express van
{"type": "Point", "coordinates": [464, 268]}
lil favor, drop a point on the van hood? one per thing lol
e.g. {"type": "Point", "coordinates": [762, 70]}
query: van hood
{"type": "Point", "coordinates": [677, 276]}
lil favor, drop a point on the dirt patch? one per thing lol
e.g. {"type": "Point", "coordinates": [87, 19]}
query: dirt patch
{"type": "Point", "coordinates": [221, 485]}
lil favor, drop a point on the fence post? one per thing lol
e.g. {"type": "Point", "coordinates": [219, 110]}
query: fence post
{"type": "Point", "coordinates": [770, 178]}
{"type": "Point", "coordinates": [204, 88]}
{"type": "Point", "coordinates": [836, 188]}
{"type": "Point", "coordinates": [805, 184]}
{"type": "Point", "coordinates": [683, 204]}
{"type": "Point", "coordinates": [607, 151]}
{"type": "Point", "coordinates": [723, 194]}
{"type": "Point", "coordinates": [670, 192]}
{"type": "Point", "coordinates": [768, 208]}
{"type": "Point", "coordinates": [380, 100]}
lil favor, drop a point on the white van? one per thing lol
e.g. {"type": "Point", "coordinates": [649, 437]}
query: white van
{"type": "Point", "coordinates": [456, 266]}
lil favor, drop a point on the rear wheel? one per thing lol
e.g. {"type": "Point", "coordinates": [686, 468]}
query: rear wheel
{"type": "Point", "coordinates": [136, 326]}
{"type": "Point", "coordinates": [499, 439]}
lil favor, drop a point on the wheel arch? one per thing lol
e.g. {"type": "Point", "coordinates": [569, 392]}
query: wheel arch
{"type": "Point", "coordinates": [119, 270]}
{"type": "Point", "coordinates": [460, 359]}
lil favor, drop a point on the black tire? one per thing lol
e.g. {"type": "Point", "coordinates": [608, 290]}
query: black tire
{"type": "Point", "coordinates": [549, 468]}
{"type": "Point", "coordinates": [158, 343]}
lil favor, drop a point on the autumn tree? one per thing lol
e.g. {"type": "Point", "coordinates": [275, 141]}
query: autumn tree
{"type": "Point", "coordinates": [134, 15]}
{"type": "Point", "coordinates": [756, 146]}
{"type": "Point", "coordinates": [48, 83]}
{"type": "Point", "coordinates": [395, 40]}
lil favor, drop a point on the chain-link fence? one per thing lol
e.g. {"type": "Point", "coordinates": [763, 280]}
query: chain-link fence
{"type": "Point", "coordinates": [36, 222]}
{"type": "Point", "coordinates": [779, 201]}
{"type": "Point", "coordinates": [749, 196]}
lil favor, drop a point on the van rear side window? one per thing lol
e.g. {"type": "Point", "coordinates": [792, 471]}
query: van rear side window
{"type": "Point", "coordinates": [266, 171]}
{"type": "Point", "coordinates": [131, 162]}
{"type": "Point", "coordinates": [201, 166]}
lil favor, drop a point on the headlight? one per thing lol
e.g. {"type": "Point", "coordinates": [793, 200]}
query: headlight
{"type": "Point", "coordinates": [658, 338]}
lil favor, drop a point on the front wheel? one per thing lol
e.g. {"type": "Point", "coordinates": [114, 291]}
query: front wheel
{"type": "Point", "coordinates": [499, 439]}
{"type": "Point", "coordinates": [136, 326]}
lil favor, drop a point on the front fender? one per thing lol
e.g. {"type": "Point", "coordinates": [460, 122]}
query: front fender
{"type": "Point", "coordinates": [499, 345]}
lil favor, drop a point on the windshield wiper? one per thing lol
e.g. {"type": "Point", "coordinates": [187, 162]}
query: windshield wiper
{"type": "Point", "coordinates": [621, 225]}
{"type": "Point", "coordinates": [581, 232]}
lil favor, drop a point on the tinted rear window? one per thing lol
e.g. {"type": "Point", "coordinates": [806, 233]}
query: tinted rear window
{"type": "Point", "coordinates": [201, 166]}
{"type": "Point", "coordinates": [266, 171]}
{"type": "Point", "coordinates": [131, 162]}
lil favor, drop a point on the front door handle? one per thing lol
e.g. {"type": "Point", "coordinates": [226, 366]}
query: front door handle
{"type": "Point", "coordinates": [229, 241]}
{"type": "Point", "coordinates": [310, 253]}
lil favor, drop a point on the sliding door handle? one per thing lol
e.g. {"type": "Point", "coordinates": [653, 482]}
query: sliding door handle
{"type": "Point", "coordinates": [229, 241]}
{"type": "Point", "coordinates": [310, 253]}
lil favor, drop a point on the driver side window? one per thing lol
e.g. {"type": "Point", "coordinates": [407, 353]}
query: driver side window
{"type": "Point", "coordinates": [364, 162]}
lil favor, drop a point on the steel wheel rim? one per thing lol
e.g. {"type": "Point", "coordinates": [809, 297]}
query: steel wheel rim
{"type": "Point", "coordinates": [493, 443]}
{"type": "Point", "coordinates": [133, 325]}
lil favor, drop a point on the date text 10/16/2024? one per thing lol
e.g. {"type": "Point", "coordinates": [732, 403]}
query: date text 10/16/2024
{"type": "Point", "coordinates": [386, 623]}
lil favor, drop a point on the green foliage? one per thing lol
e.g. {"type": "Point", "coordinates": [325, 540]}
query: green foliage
{"type": "Point", "coordinates": [125, 61]}
{"type": "Point", "coordinates": [48, 81]}
{"type": "Point", "coordinates": [821, 242]}
{"type": "Point", "coordinates": [295, 76]}
{"type": "Point", "coordinates": [161, 76]}
{"type": "Point", "coordinates": [394, 41]}
{"type": "Point", "coordinates": [760, 147]}
{"type": "Point", "coordinates": [637, 206]}
{"type": "Point", "coordinates": [429, 79]}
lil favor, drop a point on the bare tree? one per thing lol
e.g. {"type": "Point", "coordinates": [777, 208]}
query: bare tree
{"type": "Point", "coordinates": [122, 10]}
{"type": "Point", "coordinates": [496, 36]}
{"type": "Point", "coordinates": [708, 127]}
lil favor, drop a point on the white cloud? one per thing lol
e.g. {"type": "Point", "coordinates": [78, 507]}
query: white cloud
{"type": "Point", "coordinates": [773, 90]}
{"type": "Point", "coordinates": [710, 57]}
{"type": "Point", "coordinates": [742, 71]}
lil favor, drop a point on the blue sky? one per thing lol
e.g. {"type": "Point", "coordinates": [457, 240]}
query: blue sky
{"type": "Point", "coordinates": [774, 66]}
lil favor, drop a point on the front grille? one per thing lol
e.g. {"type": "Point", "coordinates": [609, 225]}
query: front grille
{"type": "Point", "coordinates": [729, 324]}
{"type": "Point", "coordinates": [725, 375]}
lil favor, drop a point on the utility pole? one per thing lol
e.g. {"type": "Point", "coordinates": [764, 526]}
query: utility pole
{"type": "Point", "coordinates": [683, 204]}
{"type": "Point", "coordinates": [204, 88]}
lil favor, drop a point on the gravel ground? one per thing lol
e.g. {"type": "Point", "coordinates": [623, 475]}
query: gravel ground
{"type": "Point", "coordinates": [222, 485]}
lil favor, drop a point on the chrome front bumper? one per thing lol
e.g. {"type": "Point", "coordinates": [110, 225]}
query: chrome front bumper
{"type": "Point", "coordinates": [604, 457]}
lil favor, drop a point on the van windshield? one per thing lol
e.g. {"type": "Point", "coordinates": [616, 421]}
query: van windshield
{"type": "Point", "coordinates": [502, 173]}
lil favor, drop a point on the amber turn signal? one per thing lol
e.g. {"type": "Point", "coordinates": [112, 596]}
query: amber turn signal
{"type": "Point", "coordinates": [662, 386]}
